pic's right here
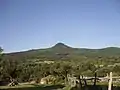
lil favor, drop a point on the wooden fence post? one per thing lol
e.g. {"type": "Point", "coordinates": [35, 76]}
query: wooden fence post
{"type": "Point", "coordinates": [110, 82]}
{"type": "Point", "coordinates": [95, 79]}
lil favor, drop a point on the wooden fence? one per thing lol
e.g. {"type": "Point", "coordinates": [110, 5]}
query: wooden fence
{"type": "Point", "coordinates": [82, 81]}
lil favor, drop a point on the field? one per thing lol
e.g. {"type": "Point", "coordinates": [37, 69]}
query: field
{"type": "Point", "coordinates": [32, 87]}
{"type": "Point", "coordinates": [26, 86]}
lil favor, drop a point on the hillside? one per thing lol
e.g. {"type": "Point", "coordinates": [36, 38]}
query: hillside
{"type": "Point", "coordinates": [60, 60]}
{"type": "Point", "coordinates": [62, 51]}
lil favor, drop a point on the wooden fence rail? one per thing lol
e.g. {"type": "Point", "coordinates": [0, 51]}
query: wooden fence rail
{"type": "Point", "coordinates": [73, 80]}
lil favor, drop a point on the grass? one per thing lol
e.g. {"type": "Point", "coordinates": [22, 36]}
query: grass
{"type": "Point", "coordinates": [67, 88]}
{"type": "Point", "coordinates": [27, 86]}
{"type": "Point", "coordinates": [32, 87]}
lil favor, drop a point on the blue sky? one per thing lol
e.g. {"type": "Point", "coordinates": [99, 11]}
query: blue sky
{"type": "Point", "coordinates": [31, 24]}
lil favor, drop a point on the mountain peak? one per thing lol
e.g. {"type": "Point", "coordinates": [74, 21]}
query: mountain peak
{"type": "Point", "coordinates": [60, 45]}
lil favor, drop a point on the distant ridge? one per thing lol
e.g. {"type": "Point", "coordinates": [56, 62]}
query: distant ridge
{"type": "Point", "coordinates": [64, 51]}
{"type": "Point", "coordinates": [62, 45]}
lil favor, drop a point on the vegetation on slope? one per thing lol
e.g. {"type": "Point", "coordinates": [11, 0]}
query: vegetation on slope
{"type": "Point", "coordinates": [59, 61]}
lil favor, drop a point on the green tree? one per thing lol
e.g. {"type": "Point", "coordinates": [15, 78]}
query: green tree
{"type": "Point", "coordinates": [1, 50]}
{"type": "Point", "coordinates": [1, 64]}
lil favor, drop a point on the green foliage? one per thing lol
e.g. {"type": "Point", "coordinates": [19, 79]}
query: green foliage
{"type": "Point", "coordinates": [64, 52]}
{"type": "Point", "coordinates": [31, 65]}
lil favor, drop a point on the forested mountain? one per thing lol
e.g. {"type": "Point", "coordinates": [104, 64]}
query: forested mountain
{"type": "Point", "coordinates": [62, 51]}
